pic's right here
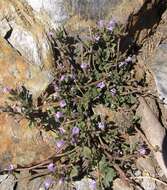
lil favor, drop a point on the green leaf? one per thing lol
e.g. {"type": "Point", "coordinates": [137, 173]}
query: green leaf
{"type": "Point", "coordinates": [74, 172]}
{"type": "Point", "coordinates": [110, 174]}
{"type": "Point", "coordinates": [87, 152]}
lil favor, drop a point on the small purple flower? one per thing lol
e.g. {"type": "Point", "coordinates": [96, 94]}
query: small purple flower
{"type": "Point", "coordinates": [143, 151]}
{"type": "Point", "coordinates": [48, 183]}
{"type": "Point", "coordinates": [62, 130]}
{"type": "Point", "coordinates": [84, 66]}
{"type": "Point", "coordinates": [75, 131]}
{"type": "Point", "coordinates": [96, 37]}
{"type": "Point", "coordinates": [60, 143]}
{"type": "Point", "coordinates": [111, 25]}
{"type": "Point", "coordinates": [51, 167]}
{"type": "Point", "coordinates": [101, 23]}
{"type": "Point", "coordinates": [10, 168]}
{"type": "Point", "coordinates": [56, 88]}
{"type": "Point", "coordinates": [6, 89]}
{"type": "Point", "coordinates": [16, 109]}
{"type": "Point", "coordinates": [61, 181]}
{"type": "Point", "coordinates": [62, 78]}
{"type": "Point", "coordinates": [92, 185]}
{"type": "Point", "coordinates": [58, 115]}
{"type": "Point", "coordinates": [113, 91]}
{"type": "Point", "coordinates": [62, 103]}
{"type": "Point", "coordinates": [101, 85]}
{"type": "Point", "coordinates": [129, 59]}
{"type": "Point", "coordinates": [50, 34]}
{"type": "Point", "coordinates": [101, 126]}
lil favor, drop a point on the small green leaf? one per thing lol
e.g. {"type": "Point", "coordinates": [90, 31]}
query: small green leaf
{"type": "Point", "coordinates": [87, 152]}
{"type": "Point", "coordinates": [74, 172]}
{"type": "Point", "coordinates": [110, 174]}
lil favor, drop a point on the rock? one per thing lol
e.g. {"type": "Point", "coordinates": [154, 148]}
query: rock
{"type": "Point", "coordinates": [159, 68]}
{"type": "Point", "coordinates": [24, 33]}
{"type": "Point", "coordinates": [118, 184]}
{"type": "Point", "coordinates": [54, 10]}
{"type": "Point", "coordinates": [8, 183]}
{"type": "Point", "coordinates": [85, 184]}
{"type": "Point", "coordinates": [36, 184]}
{"type": "Point", "coordinates": [23, 145]}
{"type": "Point", "coordinates": [61, 12]}
{"type": "Point", "coordinates": [16, 71]}
{"type": "Point", "coordinates": [146, 165]}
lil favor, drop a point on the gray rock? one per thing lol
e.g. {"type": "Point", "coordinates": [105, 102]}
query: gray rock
{"type": "Point", "coordinates": [85, 184]}
{"type": "Point", "coordinates": [159, 68]}
{"type": "Point", "coordinates": [118, 184]}
{"type": "Point", "coordinates": [7, 183]}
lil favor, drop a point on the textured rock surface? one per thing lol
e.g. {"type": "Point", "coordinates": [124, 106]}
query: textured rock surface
{"type": "Point", "coordinates": [118, 184]}
{"type": "Point", "coordinates": [7, 182]}
{"type": "Point", "coordinates": [27, 36]}
{"type": "Point", "coordinates": [61, 11]}
{"type": "Point", "coordinates": [22, 145]}
{"type": "Point", "coordinates": [159, 68]}
{"type": "Point", "coordinates": [16, 71]}
{"type": "Point", "coordinates": [26, 58]}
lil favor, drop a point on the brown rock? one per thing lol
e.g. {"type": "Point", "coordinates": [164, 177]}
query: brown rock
{"type": "Point", "coordinates": [27, 35]}
{"type": "Point", "coordinates": [118, 184]}
{"type": "Point", "coordinates": [21, 145]}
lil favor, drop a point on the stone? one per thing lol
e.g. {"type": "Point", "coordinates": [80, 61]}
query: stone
{"type": "Point", "coordinates": [159, 68]}
{"type": "Point", "coordinates": [85, 184]}
{"type": "Point", "coordinates": [146, 165]}
{"type": "Point", "coordinates": [22, 145]}
{"type": "Point", "coordinates": [25, 34]}
{"type": "Point", "coordinates": [118, 184]}
{"type": "Point", "coordinates": [16, 71]}
{"type": "Point", "coordinates": [63, 11]}
{"type": "Point", "coordinates": [8, 183]}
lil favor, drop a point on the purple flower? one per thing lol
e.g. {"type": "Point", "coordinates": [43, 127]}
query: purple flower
{"type": "Point", "coordinates": [62, 103]}
{"type": "Point", "coordinates": [62, 78]}
{"type": "Point", "coordinates": [101, 23]}
{"type": "Point", "coordinates": [129, 59]}
{"type": "Point", "coordinates": [96, 37]}
{"type": "Point", "coordinates": [143, 150]}
{"type": "Point", "coordinates": [75, 131]}
{"type": "Point", "coordinates": [58, 115]}
{"type": "Point", "coordinates": [113, 91]}
{"type": "Point", "coordinates": [62, 130]}
{"type": "Point", "coordinates": [48, 183]}
{"type": "Point", "coordinates": [92, 185]}
{"type": "Point", "coordinates": [60, 143]}
{"type": "Point", "coordinates": [6, 89]}
{"type": "Point", "coordinates": [101, 85]}
{"type": "Point", "coordinates": [10, 167]}
{"type": "Point", "coordinates": [51, 167]}
{"type": "Point", "coordinates": [56, 88]}
{"type": "Point", "coordinates": [111, 25]}
{"type": "Point", "coordinates": [101, 126]}
{"type": "Point", "coordinates": [50, 34]}
{"type": "Point", "coordinates": [61, 181]}
{"type": "Point", "coordinates": [84, 66]}
{"type": "Point", "coordinates": [16, 109]}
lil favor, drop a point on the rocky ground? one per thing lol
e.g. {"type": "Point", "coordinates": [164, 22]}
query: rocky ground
{"type": "Point", "coordinates": [35, 60]}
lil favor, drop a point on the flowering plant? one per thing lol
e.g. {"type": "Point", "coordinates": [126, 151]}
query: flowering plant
{"type": "Point", "coordinates": [88, 73]}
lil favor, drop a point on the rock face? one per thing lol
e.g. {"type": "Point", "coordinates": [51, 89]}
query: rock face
{"type": "Point", "coordinates": [27, 36]}
{"type": "Point", "coordinates": [61, 11]}
{"type": "Point", "coordinates": [22, 145]}
{"type": "Point", "coordinates": [160, 71]}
